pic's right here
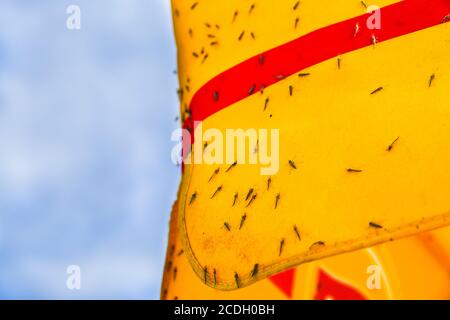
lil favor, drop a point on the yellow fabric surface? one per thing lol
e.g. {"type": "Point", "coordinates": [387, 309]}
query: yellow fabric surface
{"type": "Point", "coordinates": [330, 123]}
{"type": "Point", "coordinates": [408, 271]}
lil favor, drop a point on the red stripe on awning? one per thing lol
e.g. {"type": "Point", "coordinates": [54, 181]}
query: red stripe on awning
{"type": "Point", "coordinates": [250, 76]}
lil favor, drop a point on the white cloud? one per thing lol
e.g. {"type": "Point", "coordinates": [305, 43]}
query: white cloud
{"type": "Point", "coordinates": [106, 276]}
{"type": "Point", "coordinates": [85, 123]}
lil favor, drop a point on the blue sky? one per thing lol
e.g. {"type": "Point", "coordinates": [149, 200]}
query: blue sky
{"type": "Point", "coordinates": [85, 122]}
